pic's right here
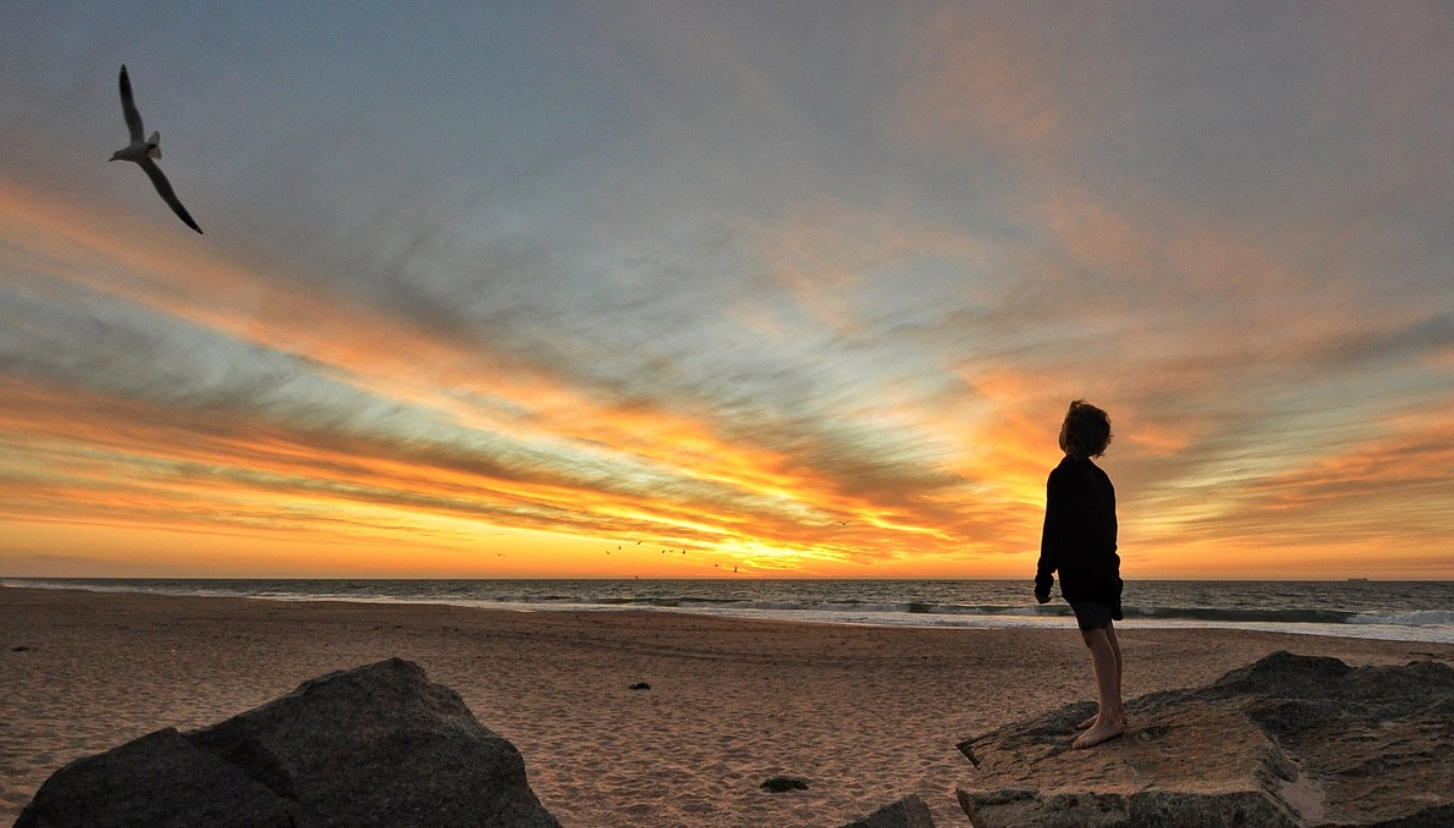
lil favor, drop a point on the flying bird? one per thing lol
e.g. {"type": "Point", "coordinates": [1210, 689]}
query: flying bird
{"type": "Point", "coordinates": [142, 150]}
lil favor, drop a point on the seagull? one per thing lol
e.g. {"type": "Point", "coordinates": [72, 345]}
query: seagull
{"type": "Point", "coordinates": [142, 150]}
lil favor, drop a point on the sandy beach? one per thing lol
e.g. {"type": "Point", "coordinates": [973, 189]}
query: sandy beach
{"type": "Point", "coordinates": [866, 714]}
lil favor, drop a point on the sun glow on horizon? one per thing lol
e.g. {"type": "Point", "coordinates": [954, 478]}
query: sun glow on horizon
{"type": "Point", "coordinates": [519, 475]}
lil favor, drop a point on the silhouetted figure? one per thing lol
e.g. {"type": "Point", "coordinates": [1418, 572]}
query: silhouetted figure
{"type": "Point", "coordinates": [1079, 540]}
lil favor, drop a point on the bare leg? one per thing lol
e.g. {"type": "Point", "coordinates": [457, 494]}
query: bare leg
{"type": "Point", "coordinates": [1110, 720]}
{"type": "Point", "coordinates": [1115, 648]}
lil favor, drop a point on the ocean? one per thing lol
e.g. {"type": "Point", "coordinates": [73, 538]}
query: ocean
{"type": "Point", "coordinates": [1386, 610]}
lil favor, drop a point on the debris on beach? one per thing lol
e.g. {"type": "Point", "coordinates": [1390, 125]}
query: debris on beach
{"type": "Point", "coordinates": [909, 812]}
{"type": "Point", "coordinates": [779, 784]}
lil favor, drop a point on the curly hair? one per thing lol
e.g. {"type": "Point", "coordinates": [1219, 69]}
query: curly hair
{"type": "Point", "coordinates": [1087, 430]}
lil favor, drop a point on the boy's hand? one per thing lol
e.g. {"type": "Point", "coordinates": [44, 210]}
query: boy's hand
{"type": "Point", "coordinates": [1042, 598]}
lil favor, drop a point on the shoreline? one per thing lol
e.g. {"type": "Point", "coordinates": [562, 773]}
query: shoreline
{"type": "Point", "coordinates": [978, 604]}
{"type": "Point", "coordinates": [867, 713]}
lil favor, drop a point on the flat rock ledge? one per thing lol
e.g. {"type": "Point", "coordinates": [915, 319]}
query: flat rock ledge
{"type": "Point", "coordinates": [1290, 741]}
{"type": "Point", "coordinates": [377, 746]}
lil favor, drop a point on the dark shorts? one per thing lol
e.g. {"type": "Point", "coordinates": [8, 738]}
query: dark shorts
{"type": "Point", "coordinates": [1093, 615]}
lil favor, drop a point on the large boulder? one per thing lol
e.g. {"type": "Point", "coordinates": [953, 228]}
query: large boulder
{"type": "Point", "coordinates": [1289, 742]}
{"type": "Point", "coordinates": [374, 746]}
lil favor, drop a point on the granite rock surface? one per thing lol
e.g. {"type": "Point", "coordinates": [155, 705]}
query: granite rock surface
{"type": "Point", "coordinates": [909, 812]}
{"type": "Point", "coordinates": [1288, 742]}
{"type": "Point", "coordinates": [375, 746]}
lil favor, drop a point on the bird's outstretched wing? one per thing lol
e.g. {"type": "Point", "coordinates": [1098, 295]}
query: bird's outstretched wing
{"type": "Point", "coordinates": [128, 108]}
{"type": "Point", "coordinates": [164, 188]}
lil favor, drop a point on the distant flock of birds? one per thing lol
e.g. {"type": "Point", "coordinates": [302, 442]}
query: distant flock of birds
{"type": "Point", "coordinates": [619, 548]}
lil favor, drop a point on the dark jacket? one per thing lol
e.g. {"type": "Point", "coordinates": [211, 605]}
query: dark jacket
{"type": "Point", "coordinates": [1079, 539]}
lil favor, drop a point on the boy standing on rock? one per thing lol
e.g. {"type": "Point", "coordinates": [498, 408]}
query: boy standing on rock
{"type": "Point", "coordinates": [1079, 540]}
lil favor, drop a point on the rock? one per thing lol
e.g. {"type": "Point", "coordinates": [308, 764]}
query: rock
{"type": "Point", "coordinates": [781, 784]}
{"type": "Point", "coordinates": [640, 685]}
{"type": "Point", "coordinates": [159, 780]}
{"type": "Point", "coordinates": [909, 812]}
{"type": "Point", "coordinates": [1288, 742]}
{"type": "Point", "coordinates": [375, 746]}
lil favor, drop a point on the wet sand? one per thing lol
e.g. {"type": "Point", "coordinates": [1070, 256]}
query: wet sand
{"type": "Point", "coordinates": [866, 714]}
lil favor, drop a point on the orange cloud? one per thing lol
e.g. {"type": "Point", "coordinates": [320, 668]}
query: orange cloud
{"type": "Point", "coordinates": [976, 77]}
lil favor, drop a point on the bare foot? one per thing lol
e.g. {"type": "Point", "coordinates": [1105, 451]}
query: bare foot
{"type": "Point", "coordinates": [1101, 732]}
{"type": "Point", "coordinates": [1090, 723]}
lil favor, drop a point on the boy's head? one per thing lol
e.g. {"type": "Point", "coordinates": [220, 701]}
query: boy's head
{"type": "Point", "coordinates": [1086, 431]}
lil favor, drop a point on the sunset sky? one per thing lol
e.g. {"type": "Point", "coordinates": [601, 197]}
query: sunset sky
{"type": "Point", "coordinates": [796, 288]}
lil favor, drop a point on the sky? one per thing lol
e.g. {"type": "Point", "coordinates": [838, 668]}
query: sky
{"type": "Point", "coordinates": [704, 289]}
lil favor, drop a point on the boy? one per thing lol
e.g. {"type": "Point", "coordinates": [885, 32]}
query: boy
{"type": "Point", "coordinates": [1079, 540]}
